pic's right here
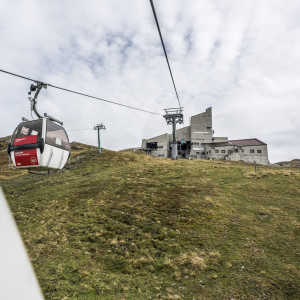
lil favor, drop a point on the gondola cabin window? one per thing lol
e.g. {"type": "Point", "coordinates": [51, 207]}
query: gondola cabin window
{"type": "Point", "coordinates": [56, 136]}
{"type": "Point", "coordinates": [31, 128]}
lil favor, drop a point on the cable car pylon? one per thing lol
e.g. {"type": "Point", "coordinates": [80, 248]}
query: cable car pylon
{"type": "Point", "coordinates": [99, 127]}
{"type": "Point", "coordinates": [173, 116]}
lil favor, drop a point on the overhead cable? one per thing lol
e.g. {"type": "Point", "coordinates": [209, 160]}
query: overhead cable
{"type": "Point", "coordinates": [79, 129]}
{"type": "Point", "coordinates": [163, 45]}
{"type": "Point", "coordinates": [82, 94]}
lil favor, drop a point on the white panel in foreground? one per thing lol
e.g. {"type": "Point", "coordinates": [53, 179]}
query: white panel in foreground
{"type": "Point", "coordinates": [17, 278]}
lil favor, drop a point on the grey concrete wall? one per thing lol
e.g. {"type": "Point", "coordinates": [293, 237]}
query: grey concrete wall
{"type": "Point", "coordinates": [144, 143]}
{"type": "Point", "coordinates": [220, 139]}
{"type": "Point", "coordinates": [159, 139]}
{"type": "Point", "coordinates": [201, 131]}
{"type": "Point", "coordinates": [259, 154]}
{"type": "Point", "coordinates": [201, 126]}
{"type": "Point", "coordinates": [218, 152]}
{"type": "Point", "coordinates": [183, 133]}
{"type": "Point", "coordinates": [159, 153]}
{"type": "Point", "coordinates": [162, 145]}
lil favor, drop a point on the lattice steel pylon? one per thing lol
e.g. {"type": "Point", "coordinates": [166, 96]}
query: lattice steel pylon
{"type": "Point", "coordinates": [99, 127]}
{"type": "Point", "coordinates": [173, 116]}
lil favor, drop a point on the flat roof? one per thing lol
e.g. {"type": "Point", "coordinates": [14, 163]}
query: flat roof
{"type": "Point", "coordinates": [238, 143]}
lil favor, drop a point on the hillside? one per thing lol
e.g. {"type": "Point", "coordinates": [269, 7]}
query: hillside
{"type": "Point", "coordinates": [122, 225]}
{"type": "Point", "coordinates": [295, 163]}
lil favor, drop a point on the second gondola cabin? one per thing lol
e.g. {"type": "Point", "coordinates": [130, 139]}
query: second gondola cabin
{"type": "Point", "coordinates": [39, 143]}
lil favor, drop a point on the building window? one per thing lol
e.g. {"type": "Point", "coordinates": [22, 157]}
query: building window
{"type": "Point", "coordinates": [152, 145]}
{"type": "Point", "coordinates": [197, 153]}
{"type": "Point", "coordinates": [258, 151]}
{"type": "Point", "coordinates": [160, 147]}
{"type": "Point", "coordinates": [229, 151]}
{"type": "Point", "coordinates": [216, 151]}
{"type": "Point", "coordinates": [251, 151]}
{"type": "Point", "coordinates": [161, 155]}
{"type": "Point", "coordinates": [223, 151]}
{"type": "Point", "coordinates": [195, 144]}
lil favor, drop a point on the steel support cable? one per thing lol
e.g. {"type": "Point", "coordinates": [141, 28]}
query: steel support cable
{"type": "Point", "coordinates": [163, 45]}
{"type": "Point", "coordinates": [72, 130]}
{"type": "Point", "coordinates": [82, 94]}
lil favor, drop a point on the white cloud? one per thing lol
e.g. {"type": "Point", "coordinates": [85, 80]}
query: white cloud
{"type": "Point", "coordinates": [240, 57]}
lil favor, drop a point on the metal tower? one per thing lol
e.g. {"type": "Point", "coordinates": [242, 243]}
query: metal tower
{"type": "Point", "coordinates": [99, 127]}
{"type": "Point", "coordinates": [173, 116]}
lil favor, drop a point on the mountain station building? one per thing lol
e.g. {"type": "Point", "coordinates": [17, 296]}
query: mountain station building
{"type": "Point", "coordinates": [197, 141]}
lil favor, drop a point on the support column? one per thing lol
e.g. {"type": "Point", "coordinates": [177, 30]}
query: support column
{"type": "Point", "coordinates": [99, 146]}
{"type": "Point", "coordinates": [173, 116]}
{"type": "Point", "coordinates": [99, 127]}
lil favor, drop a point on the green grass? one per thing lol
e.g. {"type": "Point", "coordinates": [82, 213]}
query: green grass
{"type": "Point", "coordinates": [125, 226]}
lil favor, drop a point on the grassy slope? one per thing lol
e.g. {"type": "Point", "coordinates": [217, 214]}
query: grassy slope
{"type": "Point", "coordinates": [125, 226]}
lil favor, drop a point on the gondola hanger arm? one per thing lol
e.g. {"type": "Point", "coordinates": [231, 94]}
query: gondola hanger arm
{"type": "Point", "coordinates": [36, 88]}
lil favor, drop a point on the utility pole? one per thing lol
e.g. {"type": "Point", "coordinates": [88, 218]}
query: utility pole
{"type": "Point", "coordinates": [173, 116]}
{"type": "Point", "coordinates": [99, 127]}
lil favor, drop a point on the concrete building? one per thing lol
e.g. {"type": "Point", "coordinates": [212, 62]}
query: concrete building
{"type": "Point", "coordinates": [248, 150]}
{"type": "Point", "coordinates": [197, 141]}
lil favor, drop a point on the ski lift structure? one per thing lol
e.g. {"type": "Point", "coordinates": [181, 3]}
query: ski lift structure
{"type": "Point", "coordinates": [41, 143]}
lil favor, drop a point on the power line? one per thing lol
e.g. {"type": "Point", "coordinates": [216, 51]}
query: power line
{"type": "Point", "coordinates": [72, 130]}
{"type": "Point", "coordinates": [100, 99]}
{"type": "Point", "coordinates": [163, 45]}
{"type": "Point", "coordinates": [82, 94]}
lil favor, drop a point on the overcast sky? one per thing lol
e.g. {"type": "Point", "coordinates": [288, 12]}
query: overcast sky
{"type": "Point", "coordinates": [242, 58]}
